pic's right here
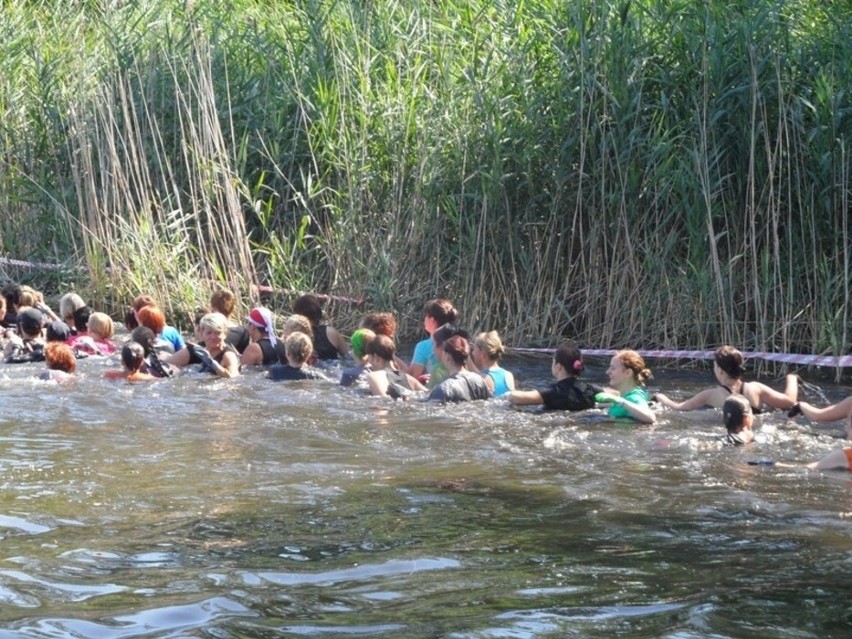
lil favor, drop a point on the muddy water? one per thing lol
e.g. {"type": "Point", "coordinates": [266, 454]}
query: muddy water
{"type": "Point", "coordinates": [195, 507]}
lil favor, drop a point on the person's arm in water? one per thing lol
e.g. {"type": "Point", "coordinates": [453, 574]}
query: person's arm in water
{"type": "Point", "coordinates": [833, 413]}
{"type": "Point", "coordinates": [524, 398]}
{"type": "Point", "coordinates": [713, 397]}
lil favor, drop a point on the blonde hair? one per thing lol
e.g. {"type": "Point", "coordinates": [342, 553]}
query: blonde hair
{"type": "Point", "coordinates": [214, 322]}
{"type": "Point", "coordinates": [28, 297]}
{"type": "Point", "coordinates": [69, 303]}
{"type": "Point", "coordinates": [299, 347]}
{"type": "Point", "coordinates": [490, 344]}
{"type": "Point", "coordinates": [296, 323]}
{"type": "Point", "coordinates": [100, 325]}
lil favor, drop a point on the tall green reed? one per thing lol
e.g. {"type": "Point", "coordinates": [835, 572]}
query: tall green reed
{"type": "Point", "coordinates": [624, 173]}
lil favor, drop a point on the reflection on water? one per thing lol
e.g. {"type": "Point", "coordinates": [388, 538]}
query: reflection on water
{"type": "Point", "coordinates": [244, 508]}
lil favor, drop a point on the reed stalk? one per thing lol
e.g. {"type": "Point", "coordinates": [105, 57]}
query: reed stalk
{"type": "Point", "coordinates": [639, 174]}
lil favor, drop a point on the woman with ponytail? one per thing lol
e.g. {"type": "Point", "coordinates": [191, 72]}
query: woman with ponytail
{"type": "Point", "coordinates": [568, 393]}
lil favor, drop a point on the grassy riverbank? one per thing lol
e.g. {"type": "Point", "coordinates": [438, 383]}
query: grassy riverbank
{"type": "Point", "coordinates": [654, 174]}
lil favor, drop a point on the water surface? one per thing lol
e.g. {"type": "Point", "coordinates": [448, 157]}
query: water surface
{"type": "Point", "coordinates": [197, 507]}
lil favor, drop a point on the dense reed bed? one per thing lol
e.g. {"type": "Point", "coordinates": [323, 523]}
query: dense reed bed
{"type": "Point", "coordinates": [645, 173]}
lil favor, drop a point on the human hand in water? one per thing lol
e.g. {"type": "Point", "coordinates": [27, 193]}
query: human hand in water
{"type": "Point", "coordinates": [203, 356]}
{"type": "Point", "coordinates": [607, 398]}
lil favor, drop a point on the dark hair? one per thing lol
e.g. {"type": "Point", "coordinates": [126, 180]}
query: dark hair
{"type": "Point", "coordinates": [734, 411]}
{"type": "Point", "coordinates": [130, 320]}
{"type": "Point", "coordinates": [12, 292]}
{"type": "Point", "coordinates": [145, 337]}
{"type": "Point", "coordinates": [81, 318]}
{"type": "Point", "coordinates": [132, 356]}
{"type": "Point", "coordinates": [730, 360]}
{"type": "Point", "coordinates": [441, 310]}
{"type": "Point", "coordinates": [380, 323]}
{"type": "Point", "coordinates": [141, 301]}
{"type": "Point", "coordinates": [199, 313]}
{"type": "Point", "coordinates": [570, 357]}
{"type": "Point", "coordinates": [447, 331]}
{"type": "Point", "coordinates": [309, 306]}
{"type": "Point", "coordinates": [381, 346]}
{"type": "Point", "coordinates": [457, 348]}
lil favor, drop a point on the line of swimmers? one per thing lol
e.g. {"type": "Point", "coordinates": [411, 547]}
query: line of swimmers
{"type": "Point", "coordinates": [447, 366]}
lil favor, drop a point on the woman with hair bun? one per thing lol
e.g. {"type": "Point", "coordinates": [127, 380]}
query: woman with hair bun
{"type": "Point", "coordinates": [486, 351]}
{"type": "Point", "coordinates": [568, 393]}
{"type": "Point", "coordinates": [627, 375]}
{"type": "Point", "coordinates": [460, 385]}
{"type": "Point", "coordinates": [729, 371]}
{"type": "Point", "coordinates": [383, 378]}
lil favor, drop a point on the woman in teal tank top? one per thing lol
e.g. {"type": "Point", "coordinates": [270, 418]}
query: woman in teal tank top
{"type": "Point", "coordinates": [486, 352]}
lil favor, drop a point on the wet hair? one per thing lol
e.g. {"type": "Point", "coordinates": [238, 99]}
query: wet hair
{"type": "Point", "coordinates": [299, 347]}
{"type": "Point", "coordinates": [145, 337]}
{"type": "Point", "coordinates": [570, 357]}
{"type": "Point", "coordinates": [309, 306]}
{"type": "Point", "coordinates": [152, 317]}
{"type": "Point", "coordinates": [734, 411]}
{"type": "Point", "coordinates": [141, 301]}
{"type": "Point", "coordinates": [458, 348]}
{"type": "Point", "coordinates": [380, 323]}
{"type": "Point", "coordinates": [445, 332]}
{"type": "Point", "coordinates": [214, 322]}
{"type": "Point", "coordinates": [632, 361]}
{"type": "Point", "coordinates": [200, 312]}
{"type": "Point", "coordinates": [298, 323]}
{"type": "Point", "coordinates": [360, 340]}
{"type": "Point", "coordinates": [441, 310]}
{"type": "Point", "coordinates": [69, 303]}
{"type": "Point", "coordinates": [130, 320]}
{"type": "Point", "coordinates": [490, 344]}
{"type": "Point", "coordinates": [382, 347]}
{"type": "Point", "coordinates": [132, 356]}
{"type": "Point", "coordinates": [11, 292]}
{"type": "Point", "coordinates": [730, 361]}
{"type": "Point", "coordinates": [60, 357]}
{"type": "Point", "coordinates": [100, 325]}
{"type": "Point", "coordinates": [81, 318]}
{"type": "Point", "coordinates": [223, 301]}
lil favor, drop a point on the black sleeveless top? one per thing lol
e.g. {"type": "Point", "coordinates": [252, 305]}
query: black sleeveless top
{"type": "Point", "coordinates": [272, 354]}
{"type": "Point", "coordinates": [323, 347]}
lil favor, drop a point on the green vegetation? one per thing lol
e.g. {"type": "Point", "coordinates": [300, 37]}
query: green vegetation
{"type": "Point", "coordinates": [647, 173]}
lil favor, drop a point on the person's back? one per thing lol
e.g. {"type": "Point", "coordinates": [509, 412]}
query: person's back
{"type": "Point", "coordinates": [464, 386]}
{"type": "Point", "coordinates": [132, 359]}
{"type": "Point", "coordinates": [299, 348]}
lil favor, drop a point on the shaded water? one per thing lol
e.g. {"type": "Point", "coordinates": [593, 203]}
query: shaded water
{"type": "Point", "coordinates": [197, 507]}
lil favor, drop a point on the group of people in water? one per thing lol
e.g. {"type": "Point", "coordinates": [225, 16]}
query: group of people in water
{"type": "Point", "coordinates": [448, 366]}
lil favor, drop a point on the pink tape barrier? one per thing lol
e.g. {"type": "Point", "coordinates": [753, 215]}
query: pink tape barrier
{"type": "Point", "coordinates": [843, 361]}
